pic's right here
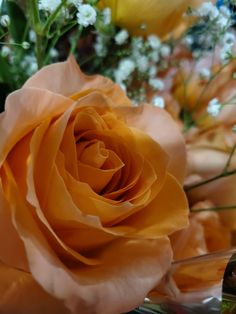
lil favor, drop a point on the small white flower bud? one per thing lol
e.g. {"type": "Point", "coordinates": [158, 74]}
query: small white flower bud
{"type": "Point", "coordinates": [5, 20]}
{"type": "Point", "coordinates": [25, 45]}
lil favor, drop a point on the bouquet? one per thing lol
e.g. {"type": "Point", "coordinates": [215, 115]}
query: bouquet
{"type": "Point", "coordinates": [117, 156]}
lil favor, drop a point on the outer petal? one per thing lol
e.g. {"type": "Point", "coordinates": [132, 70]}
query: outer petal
{"type": "Point", "coordinates": [158, 124]}
{"type": "Point", "coordinates": [19, 288]}
{"type": "Point", "coordinates": [25, 109]}
{"type": "Point", "coordinates": [66, 78]}
{"type": "Point", "coordinates": [12, 251]}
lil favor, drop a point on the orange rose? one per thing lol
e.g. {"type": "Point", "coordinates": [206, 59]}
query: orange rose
{"type": "Point", "coordinates": [208, 153]}
{"type": "Point", "coordinates": [197, 92]}
{"type": "Point", "coordinates": [193, 280]}
{"type": "Point", "coordinates": [203, 235]}
{"type": "Point", "coordinates": [158, 16]}
{"type": "Point", "coordinates": [85, 193]}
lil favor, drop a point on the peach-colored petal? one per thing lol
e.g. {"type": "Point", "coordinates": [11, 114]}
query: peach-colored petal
{"type": "Point", "coordinates": [12, 251]}
{"type": "Point", "coordinates": [204, 234]}
{"type": "Point", "coordinates": [148, 261]}
{"type": "Point", "coordinates": [22, 114]}
{"type": "Point", "coordinates": [169, 213]}
{"type": "Point", "coordinates": [66, 78]}
{"type": "Point", "coordinates": [20, 294]}
{"type": "Point", "coordinates": [158, 124]}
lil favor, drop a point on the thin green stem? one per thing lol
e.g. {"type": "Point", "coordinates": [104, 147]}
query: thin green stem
{"type": "Point", "coordinates": [34, 15]}
{"type": "Point", "coordinates": [76, 39]}
{"type": "Point", "coordinates": [230, 158]}
{"type": "Point", "coordinates": [3, 35]}
{"type": "Point", "coordinates": [204, 182]}
{"type": "Point", "coordinates": [39, 51]}
{"type": "Point", "coordinates": [193, 210]}
{"type": "Point", "coordinates": [209, 82]}
{"type": "Point", "coordinates": [53, 17]}
{"type": "Point", "coordinates": [56, 38]}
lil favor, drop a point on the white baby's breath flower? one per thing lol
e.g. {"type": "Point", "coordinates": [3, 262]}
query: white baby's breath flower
{"type": "Point", "coordinates": [204, 73]}
{"type": "Point", "coordinates": [222, 21]}
{"type": "Point", "coordinates": [32, 36]}
{"type": "Point", "coordinates": [121, 37]}
{"type": "Point", "coordinates": [142, 63]}
{"type": "Point", "coordinates": [154, 41]}
{"type": "Point", "coordinates": [137, 43]}
{"type": "Point", "coordinates": [156, 84]}
{"type": "Point", "coordinates": [29, 64]}
{"type": "Point", "coordinates": [165, 51]}
{"type": "Point", "coordinates": [158, 101]}
{"type": "Point", "coordinates": [188, 40]}
{"type": "Point", "coordinates": [228, 39]}
{"type": "Point", "coordinates": [49, 6]}
{"type": "Point", "coordinates": [76, 3]}
{"type": "Point", "coordinates": [154, 56]}
{"type": "Point", "coordinates": [207, 9]}
{"type": "Point", "coordinates": [225, 54]}
{"type": "Point", "coordinates": [225, 11]}
{"type": "Point", "coordinates": [86, 15]}
{"type": "Point", "coordinates": [5, 20]}
{"type": "Point", "coordinates": [125, 68]}
{"type": "Point", "coordinates": [214, 107]}
{"type": "Point", "coordinates": [152, 71]}
{"type": "Point", "coordinates": [53, 53]}
{"type": "Point", "coordinates": [106, 16]}
{"type": "Point", "coordinates": [100, 46]}
{"type": "Point", "coordinates": [25, 45]}
{"type": "Point", "coordinates": [5, 51]}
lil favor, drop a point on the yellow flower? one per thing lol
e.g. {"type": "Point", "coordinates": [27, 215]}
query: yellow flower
{"type": "Point", "coordinates": [85, 191]}
{"type": "Point", "coordinates": [157, 16]}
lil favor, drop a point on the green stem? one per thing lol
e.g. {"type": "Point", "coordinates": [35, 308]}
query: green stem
{"type": "Point", "coordinates": [39, 51]}
{"type": "Point", "coordinates": [34, 15]}
{"type": "Point", "coordinates": [56, 38]}
{"type": "Point", "coordinates": [76, 39]}
{"type": "Point", "coordinates": [37, 27]}
{"type": "Point", "coordinates": [229, 159]}
{"type": "Point", "coordinates": [208, 83]}
{"type": "Point", "coordinates": [204, 182]}
{"type": "Point", "coordinates": [52, 17]}
{"type": "Point", "coordinates": [193, 210]}
{"type": "Point", "coordinates": [3, 35]}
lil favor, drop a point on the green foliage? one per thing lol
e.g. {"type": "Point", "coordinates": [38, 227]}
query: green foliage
{"type": "Point", "coordinates": [18, 22]}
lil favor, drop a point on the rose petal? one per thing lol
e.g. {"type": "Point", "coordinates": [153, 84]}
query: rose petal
{"type": "Point", "coordinates": [169, 213]}
{"type": "Point", "coordinates": [66, 78]}
{"type": "Point", "coordinates": [158, 124]}
{"type": "Point", "coordinates": [20, 294]}
{"type": "Point", "coordinates": [22, 114]}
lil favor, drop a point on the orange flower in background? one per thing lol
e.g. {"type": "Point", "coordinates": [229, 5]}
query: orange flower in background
{"type": "Point", "coordinates": [86, 181]}
{"type": "Point", "coordinates": [203, 235]}
{"type": "Point", "coordinates": [196, 93]}
{"type": "Point", "coordinates": [158, 16]}
{"type": "Point", "coordinates": [208, 154]}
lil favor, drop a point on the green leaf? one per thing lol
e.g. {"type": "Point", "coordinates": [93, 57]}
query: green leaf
{"type": "Point", "coordinates": [4, 91]}
{"type": "Point", "coordinates": [5, 71]}
{"type": "Point", "coordinates": [18, 21]}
